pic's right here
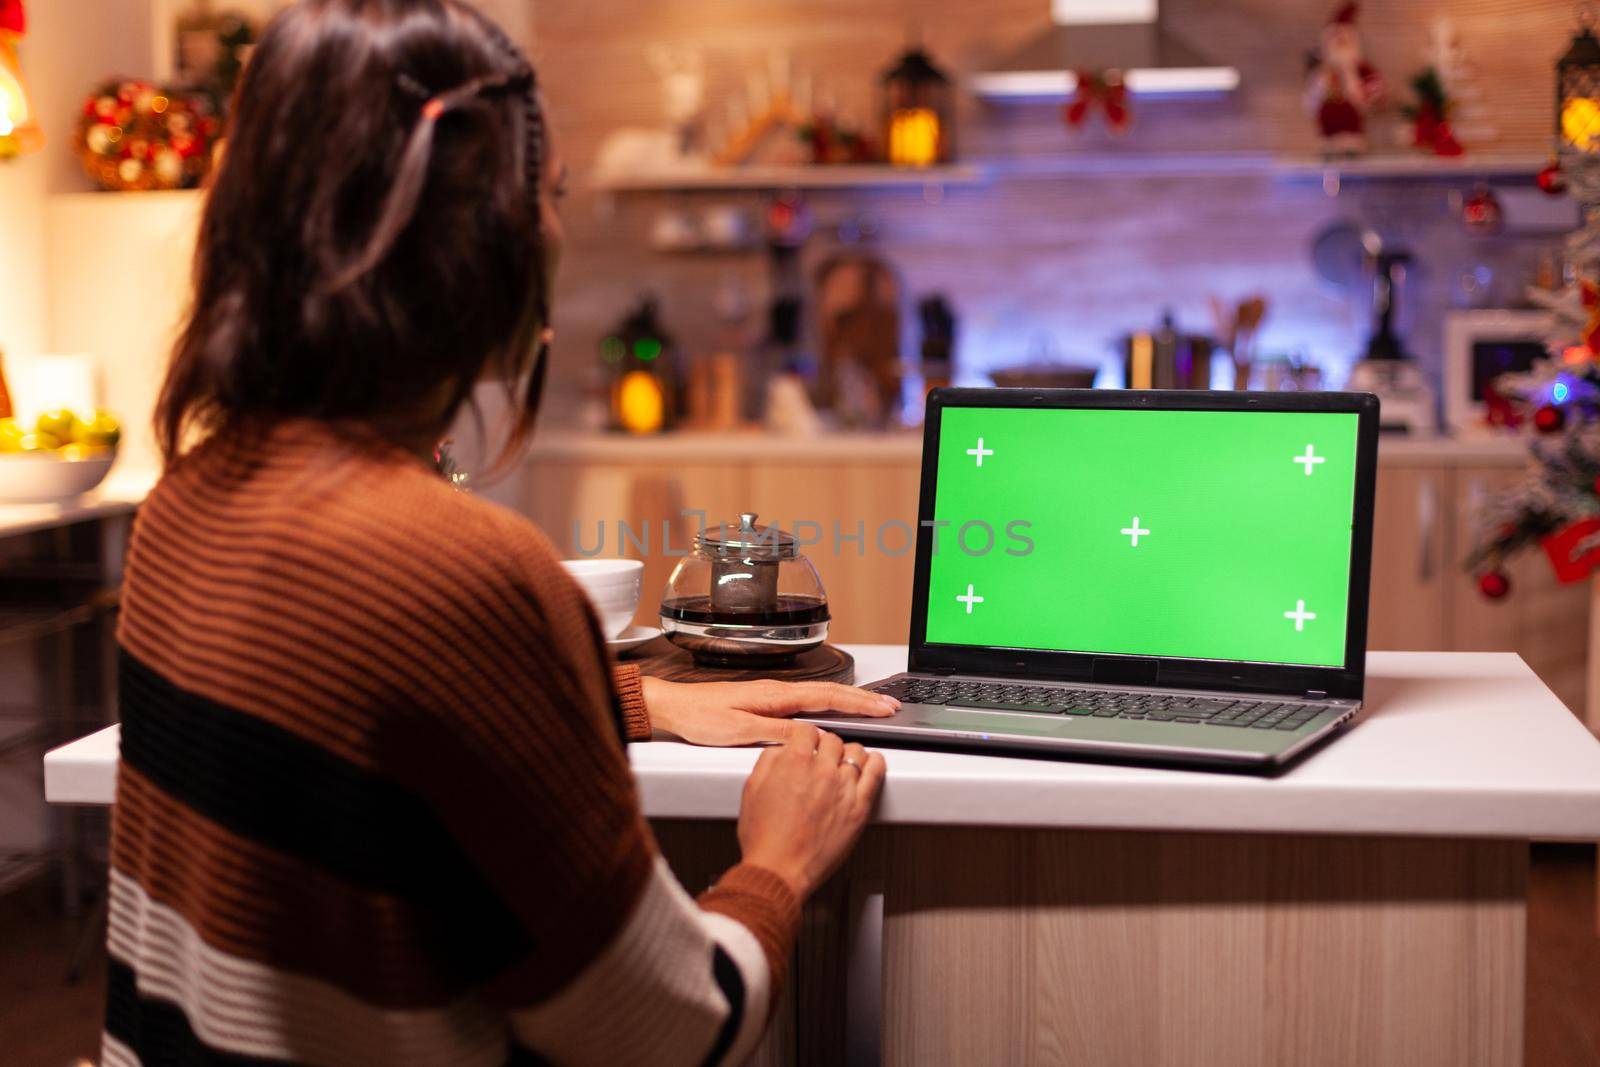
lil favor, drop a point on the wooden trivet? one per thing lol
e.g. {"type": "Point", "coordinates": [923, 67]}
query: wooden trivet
{"type": "Point", "coordinates": [663, 659]}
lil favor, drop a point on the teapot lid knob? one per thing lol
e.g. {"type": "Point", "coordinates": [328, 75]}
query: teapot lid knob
{"type": "Point", "coordinates": [747, 520]}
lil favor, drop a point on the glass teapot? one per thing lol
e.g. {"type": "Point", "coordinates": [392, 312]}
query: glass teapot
{"type": "Point", "coordinates": [744, 597]}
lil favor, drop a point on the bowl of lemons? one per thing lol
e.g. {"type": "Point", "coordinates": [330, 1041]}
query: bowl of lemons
{"type": "Point", "coordinates": [63, 454]}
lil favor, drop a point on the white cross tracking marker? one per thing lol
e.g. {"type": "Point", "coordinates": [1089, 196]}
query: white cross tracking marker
{"type": "Point", "coordinates": [1300, 615]}
{"type": "Point", "coordinates": [980, 451]}
{"type": "Point", "coordinates": [969, 599]}
{"type": "Point", "coordinates": [1310, 459]}
{"type": "Point", "coordinates": [1134, 532]}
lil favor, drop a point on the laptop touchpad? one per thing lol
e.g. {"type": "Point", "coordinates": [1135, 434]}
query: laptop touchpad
{"type": "Point", "coordinates": [984, 721]}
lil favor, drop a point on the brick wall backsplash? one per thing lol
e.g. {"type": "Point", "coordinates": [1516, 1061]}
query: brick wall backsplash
{"type": "Point", "coordinates": [1054, 262]}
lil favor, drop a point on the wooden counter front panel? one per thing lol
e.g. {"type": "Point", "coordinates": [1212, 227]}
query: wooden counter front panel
{"type": "Point", "coordinates": [1118, 949]}
{"type": "Point", "coordinates": [1239, 951]}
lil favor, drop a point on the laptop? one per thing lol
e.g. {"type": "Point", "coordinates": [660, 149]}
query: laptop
{"type": "Point", "coordinates": [1177, 577]}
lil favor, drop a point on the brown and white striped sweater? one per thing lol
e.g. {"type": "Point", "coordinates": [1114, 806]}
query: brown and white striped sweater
{"type": "Point", "coordinates": [373, 805]}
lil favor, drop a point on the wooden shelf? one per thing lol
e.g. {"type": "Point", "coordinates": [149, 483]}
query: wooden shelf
{"type": "Point", "coordinates": [1389, 166]}
{"type": "Point", "coordinates": [1395, 166]}
{"type": "Point", "coordinates": [1413, 166]}
{"type": "Point", "coordinates": [835, 176]}
{"type": "Point", "coordinates": [1089, 166]}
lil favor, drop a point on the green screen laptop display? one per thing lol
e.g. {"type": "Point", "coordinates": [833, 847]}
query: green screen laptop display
{"type": "Point", "coordinates": [1216, 535]}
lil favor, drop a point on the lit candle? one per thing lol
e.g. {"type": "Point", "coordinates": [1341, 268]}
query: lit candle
{"type": "Point", "coordinates": [640, 402]}
{"type": "Point", "coordinates": [914, 137]}
{"type": "Point", "coordinates": [1580, 122]}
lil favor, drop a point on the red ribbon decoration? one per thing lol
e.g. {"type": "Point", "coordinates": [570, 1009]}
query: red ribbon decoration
{"type": "Point", "coordinates": [12, 17]}
{"type": "Point", "coordinates": [1572, 551]}
{"type": "Point", "coordinates": [1591, 303]}
{"type": "Point", "coordinates": [1103, 87]}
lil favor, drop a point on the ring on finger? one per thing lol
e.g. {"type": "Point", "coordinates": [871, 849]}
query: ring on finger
{"type": "Point", "coordinates": [852, 761]}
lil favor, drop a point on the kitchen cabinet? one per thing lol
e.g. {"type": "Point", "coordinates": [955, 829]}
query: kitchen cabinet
{"type": "Point", "coordinates": [854, 497]}
{"type": "Point", "coordinates": [864, 518]}
{"type": "Point", "coordinates": [1410, 564]}
{"type": "Point", "coordinates": [643, 509]}
{"type": "Point", "coordinates": [1543, 620]}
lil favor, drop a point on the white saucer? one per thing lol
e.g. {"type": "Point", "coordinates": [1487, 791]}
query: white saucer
{"type": "Point", "coordinates": [633, 637]}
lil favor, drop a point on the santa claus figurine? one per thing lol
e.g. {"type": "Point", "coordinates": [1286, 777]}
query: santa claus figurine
{"type": "Point", "coordinates": [1341, 86]}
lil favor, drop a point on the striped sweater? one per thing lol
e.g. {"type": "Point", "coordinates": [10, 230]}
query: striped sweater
{"type": "Point", "coordinates": [373, 804]}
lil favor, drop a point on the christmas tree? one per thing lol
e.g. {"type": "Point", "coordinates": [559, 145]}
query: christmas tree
{"type": "Point", "coordinates": [1557, 506]}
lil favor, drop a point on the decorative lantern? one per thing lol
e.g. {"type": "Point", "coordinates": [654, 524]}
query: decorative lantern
{"type": "Point", "coordinates": [1578, 91]}
{"type": "Point", "coordinates": [917, 112]}
{"type": "Point", "coordinates": [640, 361]}
{"type": "Point", "coordinates": [19, 130]}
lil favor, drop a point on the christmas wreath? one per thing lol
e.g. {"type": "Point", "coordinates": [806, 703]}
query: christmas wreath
{"type": "Point", "coordinates": [137, 136]}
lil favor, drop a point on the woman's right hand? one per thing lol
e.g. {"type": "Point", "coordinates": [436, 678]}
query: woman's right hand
{"type": "Point", "coordinates": [804, 805]}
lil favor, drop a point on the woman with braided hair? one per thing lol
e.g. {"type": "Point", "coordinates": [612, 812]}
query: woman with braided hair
{"type": "Point", "coordinates": [373, 805]}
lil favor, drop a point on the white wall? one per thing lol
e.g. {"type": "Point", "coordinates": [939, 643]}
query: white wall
{"type": "Point", "coordinates": [117, 288]}
{"type": "Point", "coordinates": [22, 308]}
{"type": "Point", "coordinates": [70, 45]}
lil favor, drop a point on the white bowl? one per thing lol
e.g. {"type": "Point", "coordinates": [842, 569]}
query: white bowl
{"type": "Point", "coordinates": [49, 477]}
{"type": "Point", "coordinates": [612, 586]}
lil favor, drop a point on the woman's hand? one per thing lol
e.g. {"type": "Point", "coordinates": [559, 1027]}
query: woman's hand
{"type": "Point", "coordinates": [744, 713]}
{"type": "Point", "coordinates": [805, 804]}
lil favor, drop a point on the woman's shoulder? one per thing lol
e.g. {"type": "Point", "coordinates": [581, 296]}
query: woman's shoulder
{"type": "Point", "coordinates": [482, 574]}
{"type": "Point", "coordinates": [466, 530]}
{"type": "Point", "coordinates": [308, 496]}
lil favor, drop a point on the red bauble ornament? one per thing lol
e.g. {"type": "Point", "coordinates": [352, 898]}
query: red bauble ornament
{"type": "Point", "coordinates": [1549, 419]}
{"type": "Point", "coordinates": [1494, 585]}
{"type": "Point", "coordinates": [1482, 214]}
{"type": "Point", "coordinates": [1551, 180]}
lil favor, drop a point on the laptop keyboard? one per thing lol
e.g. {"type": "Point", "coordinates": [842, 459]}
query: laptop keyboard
{"type": "Point", "coordinates": [1100, 703]}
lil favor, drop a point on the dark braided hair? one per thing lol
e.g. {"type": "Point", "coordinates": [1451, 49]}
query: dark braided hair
{"type": "Point", "coordinates": [371, 245]}
{"type": "Point", "coordinates": [533, 140]}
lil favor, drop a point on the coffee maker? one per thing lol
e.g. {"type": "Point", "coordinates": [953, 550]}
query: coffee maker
{"type": "Point", "coordinates": [1387, 370]}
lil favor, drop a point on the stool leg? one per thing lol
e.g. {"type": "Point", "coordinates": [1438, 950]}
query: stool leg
{"type": "Point", "coordinates": [91, 937]}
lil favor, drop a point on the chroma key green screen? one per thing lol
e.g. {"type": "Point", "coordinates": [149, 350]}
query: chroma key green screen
{"type": "Point", "coordinates": [1216, 535]}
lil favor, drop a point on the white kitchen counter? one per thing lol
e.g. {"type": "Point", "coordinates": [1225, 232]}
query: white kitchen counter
{"type": "Point", "coordinates": [1452, 744]}
{"type": "Point", "coordinates": [120, 493]}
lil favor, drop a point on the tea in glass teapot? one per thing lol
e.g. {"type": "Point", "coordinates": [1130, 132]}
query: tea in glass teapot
{"type": "Point", "coordinates": [744, 597]}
